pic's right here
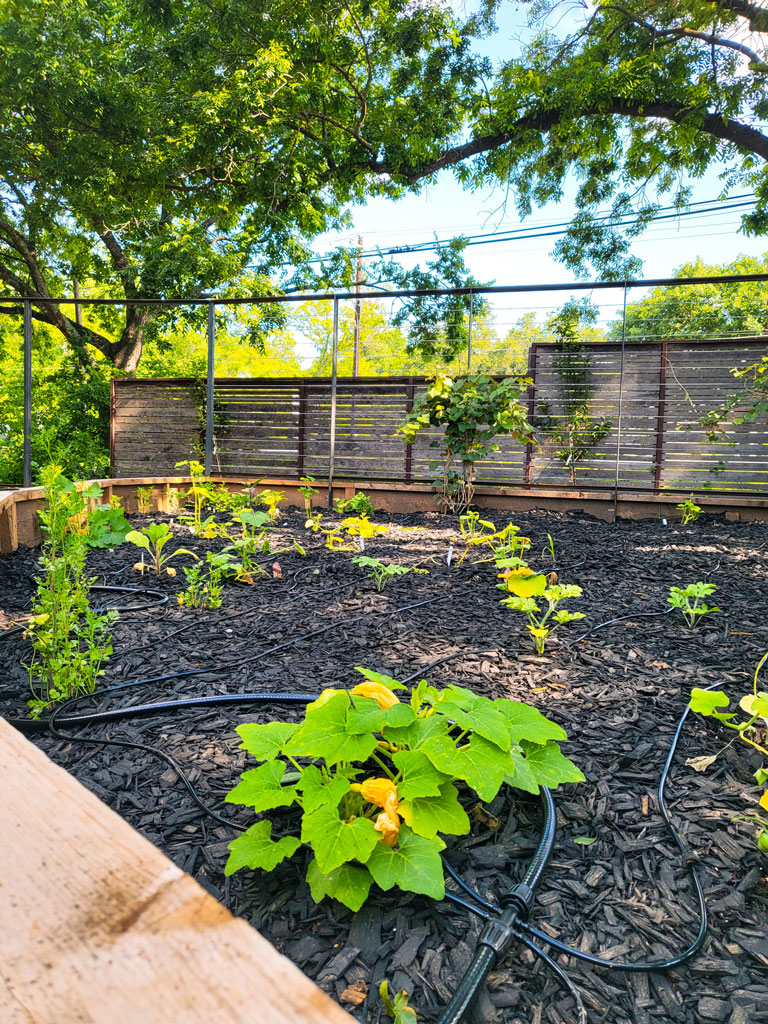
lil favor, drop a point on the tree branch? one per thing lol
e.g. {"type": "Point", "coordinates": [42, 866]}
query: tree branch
{"type": "Point", "coordinates": [689, 33]}
{"type": "Point", "coordinates": [738, 134]}
{"type": "Point", "coordinates": [755, 15]}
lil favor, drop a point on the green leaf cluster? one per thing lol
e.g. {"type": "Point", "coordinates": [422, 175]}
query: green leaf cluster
{"type": "Point", "coordinates": [690, 601]}
{"type": "Point", "coordinates": [750, 730]}
{"type": "Point", "coordinates": [472, 411]}
{"type": "Point", "coordinates": [376, 781]}
{"type": "Point", "coordinates": [70, 641]}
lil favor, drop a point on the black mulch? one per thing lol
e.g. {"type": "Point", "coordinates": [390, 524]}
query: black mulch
{"type": "Point", "coordinates": [619, 693]}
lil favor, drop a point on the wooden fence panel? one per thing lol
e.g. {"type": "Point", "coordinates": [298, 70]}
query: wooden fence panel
{"type": "Point", "coordinates": [651, 400]}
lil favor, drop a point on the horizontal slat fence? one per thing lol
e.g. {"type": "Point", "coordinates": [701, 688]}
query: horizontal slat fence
{"type": "Point", "coordinates": [650, 398]}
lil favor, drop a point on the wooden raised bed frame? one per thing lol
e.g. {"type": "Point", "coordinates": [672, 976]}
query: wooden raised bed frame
{"type": "Point", "coordinates": [18, 509]}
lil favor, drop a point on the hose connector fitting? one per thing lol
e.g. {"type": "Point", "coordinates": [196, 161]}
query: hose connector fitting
{"type": "Point", "coordinates": [499, 932]}
{"type": "Point", "coordinates": [519, 898]}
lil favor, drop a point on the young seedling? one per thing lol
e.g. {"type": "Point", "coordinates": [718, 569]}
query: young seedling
{"type": "Point", "coordinates": [690, 601]}
{"type": "Point", "coordinates": [307, 492]}
{"type": "Point", "coordinates": [144, 499]}
{"type": "Point", "coordinates": [380, 572]}
{"type": "Point", "coordinates": [271, 499]}
{"type": "Point", "coordinates": [523, 586]}
{"type": "Point", "coordinates": [397, 1008]}
{"type": "Point", "coordinates": [359, 504]}
{"type": "Point", "coordinates": [689, 512]}
{"type": "Point", "coordinates": [355, 531]}
{"type": "Point", "coordinates": [750, 730]}
{"type": "Point", "coordinates": [201, 493]}
{"type": "Point", "coordinates": [253, 539]}
{"type": "Point", "coordinates": [153, 539]}
{"type": "Point", "coordinates": [550, 549]}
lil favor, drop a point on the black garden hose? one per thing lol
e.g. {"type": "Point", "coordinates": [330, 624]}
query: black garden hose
{"type": "Point", "coordinates": [500, 932]}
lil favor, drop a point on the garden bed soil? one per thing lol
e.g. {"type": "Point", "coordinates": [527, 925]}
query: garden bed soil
{"type": "Point", "coordinates": [619, 693]}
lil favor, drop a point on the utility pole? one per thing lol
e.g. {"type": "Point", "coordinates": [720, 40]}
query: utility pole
{"type": "Point", "coordinates": [78, 307]}
{"type": "Point", "coordinates": [358, 308]}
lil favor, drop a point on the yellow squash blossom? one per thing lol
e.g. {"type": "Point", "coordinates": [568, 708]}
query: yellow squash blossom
{"type": "Point", "coordinates": [375, 691]}
{"type": "Point", "coordinates": [377, 791]}
{"type": "Point", "coordinates": [383, 793]}
{"type": "Point", "coordinates": [524, 582]}
{"type": "Point", "coordinates": [389, 826]}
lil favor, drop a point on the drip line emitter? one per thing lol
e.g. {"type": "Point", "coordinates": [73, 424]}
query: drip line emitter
{"type": "Point", "coordinates": [506, 921]}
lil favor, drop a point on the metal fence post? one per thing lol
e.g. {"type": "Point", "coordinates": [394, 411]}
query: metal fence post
{"type": "Point", "coordinates": [210, 366]}
{"type": "Point", "coordinates": [469, 332]}
{"type": "Point", "coordinates": [334, 375]}
{"type": "Point", "coordinates": [27, 393]}
{"type": "Point", "coordinates": [621, 403]}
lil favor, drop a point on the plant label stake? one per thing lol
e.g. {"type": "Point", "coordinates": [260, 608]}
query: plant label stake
{"type": "Point", "coordinates": [449, 556]}
{"type": "Point", "coordinates": [361, 542]}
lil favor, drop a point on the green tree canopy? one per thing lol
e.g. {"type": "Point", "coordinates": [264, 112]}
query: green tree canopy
{"type": "Point", "coordinates": [167, 148]}
{"type": "Point", "coordinates": [162, 148]}
{"type": "Point", "coordinates": [702, 310]}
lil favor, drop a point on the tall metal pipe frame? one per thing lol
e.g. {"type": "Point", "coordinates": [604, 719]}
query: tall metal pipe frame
{"type": "Point", "coordinates": [334, 381]}
{"type": "Point", "coordinates": [621, 401]}
{"type": "Point", "coordinates": [27, 453]}
{"type": "Point", "coordinates": [209, 378]}
{"type": "Point", "coordinates": [469, 332]}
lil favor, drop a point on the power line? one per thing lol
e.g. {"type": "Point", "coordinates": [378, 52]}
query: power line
{"type": "Point", "coordinates": [557, 228]}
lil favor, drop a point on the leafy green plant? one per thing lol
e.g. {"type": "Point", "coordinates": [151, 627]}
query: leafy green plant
{"type": "Point", "coordinates": [70, 642]}
{"type": "Point", "coordinates": [307, 492]}
{"type": "Point", "coordinates": [359, 505]}
{"type": "Point", "coordinates": [342, 537]}
{"type": "Point", "coordinates": [107, 527]}
{"type": "Point", "coordinates": [689, 511]}
{"type": "Point", "coordinates": [754, 705]}
{"type": "Point", "coordinates": [201, 492]}
{"type": "Point", "coordinates": [153, 539]}
{"type": "Point", "coordinates": [271, 499]}
{"type": "Point", "coordinates": [202, 592]}
{"type": "Point", "coordinates": [144, 499]}
{"type": "Point", "coordinates": [253, 538]}
{"type": "Point", "coordinates": [313, 522]}
{"type": "Point", "coordinates": [473, 411]}
{"type": "Point", "coordinates": [375, 781]}
{"type": "Point", "coordinates": [690, 601]}
{"type": "Point", "coordinates": [523, 586]}
{"type": "Point", "coordinates": [380, 572]}
{"type": "Point", "coordinates": [476, 533]}
{"type": "Point", "coordinates": [397, 1008]}
{"type": "Point", "coordinates": [193, 596]}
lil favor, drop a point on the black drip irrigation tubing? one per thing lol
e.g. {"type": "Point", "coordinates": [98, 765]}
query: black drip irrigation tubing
{"type": "Point", "coordinates": [30, 725]}
{"type": "Point", "coordinates": [157, 599]}
{"type": "Point", "coordinates": [505, 924]}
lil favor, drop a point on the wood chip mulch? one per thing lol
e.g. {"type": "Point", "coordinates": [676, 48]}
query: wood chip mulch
{"type": "Point", "coordinates": [620, 693]}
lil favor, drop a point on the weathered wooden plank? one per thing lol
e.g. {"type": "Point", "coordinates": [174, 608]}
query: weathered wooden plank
{"type": "Point", "coordinates": [98, 925]}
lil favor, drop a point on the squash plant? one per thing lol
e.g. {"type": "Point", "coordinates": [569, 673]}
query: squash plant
{"type": "Point", "coordinates": [751, 729]}
{"type": "Point", "coordinates": [375, 781]}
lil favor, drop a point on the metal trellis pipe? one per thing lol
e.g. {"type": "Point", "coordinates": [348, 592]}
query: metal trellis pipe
{"type": "Point", "coordinates": [27, 457]}
{"type": "Point", "coordinates": [334, 379]}
{"type": "Point", "coordinates": [621, 401]}
{"type": "Point", "coordinates": [210, 368]}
